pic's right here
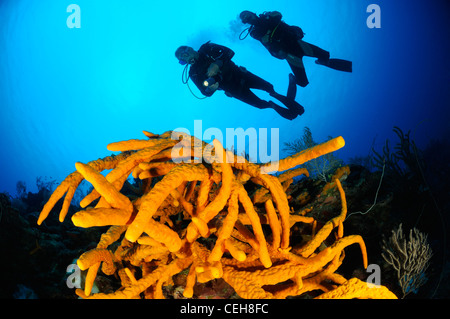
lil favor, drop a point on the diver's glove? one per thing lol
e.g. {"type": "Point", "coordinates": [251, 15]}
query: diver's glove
{"type": "Point", "coordinates": [213, 70]}
{"type": "Point", "coordinates": [211, 86]}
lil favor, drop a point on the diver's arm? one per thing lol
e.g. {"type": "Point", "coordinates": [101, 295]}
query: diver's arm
{"type": "Point", "coordinates": [199, 82]}
{"type": "Point", "coordinates": [223, 53]}
{"type": "Point", "coordinates": [222, 57]}
{"type": "Point", "coordinates": [214, 69]}
{"type": "Point", "coordinates": [212, 88]}
{"type": "Point", "coordinates": [220, 54]}
{"type": "Point", "coordinates": [212, 73]}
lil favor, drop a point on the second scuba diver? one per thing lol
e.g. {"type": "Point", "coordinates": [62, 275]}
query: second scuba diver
{"type": "Point", "coordinates": [285, 42]}
{"type": "Point", "coordinates": [211, 69]}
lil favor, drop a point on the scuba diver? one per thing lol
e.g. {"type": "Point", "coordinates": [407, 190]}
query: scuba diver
{"type": "Point", "coordinates": [211, 69]}
{"type": "Point", "coordinates": [285, 42]}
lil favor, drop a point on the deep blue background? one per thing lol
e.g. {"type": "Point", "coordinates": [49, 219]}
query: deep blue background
{"type": "Point", "coordinates": [66, 93]}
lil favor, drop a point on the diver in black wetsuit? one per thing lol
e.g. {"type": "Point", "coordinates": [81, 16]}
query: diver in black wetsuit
{"type": "Point", "coordinates": [285, 42]}
{"type": "Point", "coordinates": [211, 69]}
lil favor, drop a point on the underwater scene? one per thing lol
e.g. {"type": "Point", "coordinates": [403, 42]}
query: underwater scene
{"type": "Point", "coordinates": [224, 150]}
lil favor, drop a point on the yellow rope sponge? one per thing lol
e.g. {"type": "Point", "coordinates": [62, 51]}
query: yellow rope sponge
{"type": "Point", "coordinates": [355, 288]}
{"type": "Point", "coordinates": [106, 189]}
{"type": "Point", "coordinates": [306, 155]}
{"type": "Point", "coordinates": [154, 199]}
{"type": "Point", "coordinates": [204, 213]}
{"type": "Point", "coordinates": [101, 217]}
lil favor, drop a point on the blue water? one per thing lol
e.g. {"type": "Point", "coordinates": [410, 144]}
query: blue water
{"type": "Point", "coordinates": [65, 93]}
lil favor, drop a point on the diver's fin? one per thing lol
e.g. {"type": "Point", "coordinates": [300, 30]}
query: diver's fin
{"type": "Point", "coordinates": [284, 112]}
{"type": "Point", "coordinates": [293, 107]}
{"type": "Point", "coordinates": [300, 109]}
{"type": "Point", "coordinates": [337, 64]}
{"type": "Point", "coordinates": [292, 88]}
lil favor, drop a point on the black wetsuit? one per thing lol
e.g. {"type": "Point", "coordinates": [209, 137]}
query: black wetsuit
{"type": "Point", "coordinates": [281, 39]}
{"type": "Point", "coordinates": [236, 81]}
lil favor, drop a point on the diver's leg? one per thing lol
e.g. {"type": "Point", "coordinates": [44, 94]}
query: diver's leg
{"type": "Point", "coordinates": [247, 96]}
{"type": "Point", "coordinates": [286, 113]}
{"type": "Point", "coordinates": [253, 81]}
{"type": "Point", "coordinates": [292, 87]}
{"type": "Point", "coordinates": [314, 51]}
{"type": "Point", "coordinates": [300, 74]}
{"type": "Point", "coordinates": [256, 82]}
{"type": "Point", "coordinates": [291, 104]}
{"type": "Point", "coordinates": [323, 57]}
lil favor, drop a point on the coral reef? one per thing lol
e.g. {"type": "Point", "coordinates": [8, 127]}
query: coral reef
{"type": "Point", "coordinates": [39, 255]}
{"type": "Point", "coordinates": [222, 218]}
{"type": "Point", "coordinates": [417, 181]}
{"type": "Point", "coordinates": [409, 257]}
